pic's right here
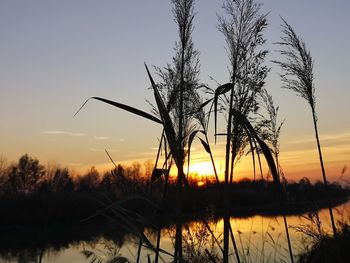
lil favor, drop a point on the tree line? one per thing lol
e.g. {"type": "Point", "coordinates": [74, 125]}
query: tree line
{"type": "Point", "coordinates": [28, 176]}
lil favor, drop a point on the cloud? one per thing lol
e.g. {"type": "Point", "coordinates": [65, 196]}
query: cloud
{"type": "Point", "coordinates": [96, 150]}
{"type": "Point", "coordinates": [74, 134]}
{"type": "Point", "coordinates": [101, 138]}
{"type": "Point", "coordinates": [102, 150]}
{"type": "Point", "coordinates": [325, 138]}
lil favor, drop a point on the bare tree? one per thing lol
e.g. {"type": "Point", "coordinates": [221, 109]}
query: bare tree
{"type": "Point", "coordinates": [3, 172]}
{"type": "Point", "coordinates": [26, 176]}
{"type": "Point", "coordinates": [298, 76]}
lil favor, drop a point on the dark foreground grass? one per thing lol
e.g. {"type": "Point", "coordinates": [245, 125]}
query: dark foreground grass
{"type": "Point", "coordinates": [330, 249]}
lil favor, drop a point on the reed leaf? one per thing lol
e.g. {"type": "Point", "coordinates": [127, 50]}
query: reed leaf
{"type": "Point", "coordinates": [204, 104]}
{"type": "Point", "coordinates": [157, 174]}
{"type": "Point", "coordinates": [263, 146]}
{"type": "Point", "coordinates": [220, 91]}
{"type": "Point", "coordinates": [205, 145]}
{"type": "Point", "coordinates": [253, 155]}
{"type": "Point", "coordinates": [166, 120]}
{"type": "Point", "coordinates": [123, 107]}
{"type": "Point", "coordinates": [190, 140]}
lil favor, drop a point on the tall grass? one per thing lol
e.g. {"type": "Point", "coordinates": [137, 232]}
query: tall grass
{"type": "Point", "coordinates": [242, 29]}
{"type": "Point", "coordinates": [298, 76]}
{"type": "Point", "coordinates": [179, 109]}
{"type": "Point", "coordinates": [174, 100]}
{"type": "Point", "coordinates": [179, 88]}
{"type": "Point", "coordinates": [272, 133]}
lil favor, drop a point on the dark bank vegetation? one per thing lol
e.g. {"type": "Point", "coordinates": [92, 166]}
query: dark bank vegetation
{"type": "Point", "coordinates": [319, 245]}
{"type": "Point", "coordinates": [33, 194]}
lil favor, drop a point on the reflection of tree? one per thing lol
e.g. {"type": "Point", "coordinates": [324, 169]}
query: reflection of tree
{"type": "Point", "coordinates": [23, 256]}
{"type": "Point", "coordinates": [109, 254]}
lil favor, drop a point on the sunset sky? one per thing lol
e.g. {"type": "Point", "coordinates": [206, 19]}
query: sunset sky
{"type": "Point", "coordinates": [56, 54]}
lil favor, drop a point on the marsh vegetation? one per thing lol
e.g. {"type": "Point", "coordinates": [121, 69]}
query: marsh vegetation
{"type": "Point", "coordinates": [171, 217]}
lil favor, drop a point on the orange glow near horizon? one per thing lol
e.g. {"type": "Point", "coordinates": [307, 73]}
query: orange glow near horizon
{"type": "Point", "coordinates": [294, 165]}
{"type": "Point", "coordinates": [298, 158]}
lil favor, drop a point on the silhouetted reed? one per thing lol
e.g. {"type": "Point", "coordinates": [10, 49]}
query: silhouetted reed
{"type": "Point", "coordinates": [271, 131]}
{"type": "Point", "coordinates": [298, 76]}
{"type": "Point", "coordinates": [243, 34]}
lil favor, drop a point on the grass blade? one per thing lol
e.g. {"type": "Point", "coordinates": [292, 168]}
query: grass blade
{"type": "Point", "coordinates": [205, 145]}
{"type": "Point", "coordinates": [123, 107]}
{"type": "Point", "coordinates": [190, 140]}
{"type": "Point", "coordinates": [166, 120]}
{"type": "Point", "coordinates": [264, 148]}
{"type": "Point", "coordinates": [219, 91]}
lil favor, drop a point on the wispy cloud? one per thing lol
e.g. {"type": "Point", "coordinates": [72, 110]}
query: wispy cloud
{"type": "Point", "coordinates": [101, 138]}
{"type": "Point", "coordinates": [102, 150]}
{"type": "Point", "coordinates": [74, 134]}
{"type": "Point", "coordinates": [326, 138]}
{"type": "Point", "coordinates": [96, 150]}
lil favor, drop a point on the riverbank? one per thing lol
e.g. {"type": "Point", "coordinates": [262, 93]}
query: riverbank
{"type": "Point", "coordinates": [69, 208]}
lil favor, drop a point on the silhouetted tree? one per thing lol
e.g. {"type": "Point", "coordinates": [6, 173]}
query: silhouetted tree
{"type": "Point", "coordinates": [3, 173]}
{"type": "Point", "coordinates": [134, 171]}
{"type": "Point", "coordinates": [26, 176]}
{"type": "Point", "coordinates": [62, 181]}
{"type": "Point", "coordinates": [89, 181]}
{"type": "Point", "coordinates": [108, 182]}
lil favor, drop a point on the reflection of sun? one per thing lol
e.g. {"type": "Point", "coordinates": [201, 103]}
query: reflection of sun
{"type": "Point", "coordinates": [200, 183]}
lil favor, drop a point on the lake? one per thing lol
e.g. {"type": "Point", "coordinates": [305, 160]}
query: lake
{"type": "Point", "coordinates": [258, 238]}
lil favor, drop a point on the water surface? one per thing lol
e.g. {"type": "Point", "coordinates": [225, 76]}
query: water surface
{"type": "Point", "coordinates": [259, 238]}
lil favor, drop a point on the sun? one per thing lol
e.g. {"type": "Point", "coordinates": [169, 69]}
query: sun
{"type": "Point", "coordinates": [202, 168]}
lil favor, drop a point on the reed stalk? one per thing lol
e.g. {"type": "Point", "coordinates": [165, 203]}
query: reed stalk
{"type": "Point", "coordinates": [243, 34]}
{"type": "Point", "coordinates": [298, 76]}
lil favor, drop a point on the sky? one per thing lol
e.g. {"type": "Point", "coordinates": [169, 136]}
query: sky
{"type": "Point", "coordinates": [56, 54]}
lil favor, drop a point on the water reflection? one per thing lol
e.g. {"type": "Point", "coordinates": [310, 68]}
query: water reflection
{"type": "Point", "coordinates": [258, 238]}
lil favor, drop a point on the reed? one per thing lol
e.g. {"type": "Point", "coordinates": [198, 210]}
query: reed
{"type": "Point", "coordinates": [173, 99]}
{"type": "Point", "coordinates": [242, 29]}
{"type": "Point", "coordinates": [298, 76]}
{"type": "Point", "coordinates": [272, 133]}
